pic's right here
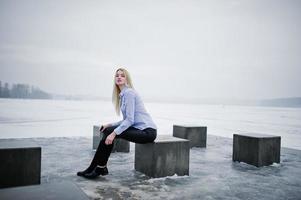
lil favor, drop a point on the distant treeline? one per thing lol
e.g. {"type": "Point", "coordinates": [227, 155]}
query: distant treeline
{"type": "Point", "coordinates": [22, 91]}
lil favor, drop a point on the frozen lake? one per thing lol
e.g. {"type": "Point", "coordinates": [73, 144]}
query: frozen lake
{"type": "Point", "coordinates": [52, 124]}
{"type": "Point", "coordinates": [212, 174]}
{"type": "Point", "coordinates": [56, 118]}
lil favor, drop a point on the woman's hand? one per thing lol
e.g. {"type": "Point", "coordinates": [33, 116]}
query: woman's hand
{"type": "Point", "coordinates": [110, 138]}
{"type": "Point", "coordinates": [103, 127]}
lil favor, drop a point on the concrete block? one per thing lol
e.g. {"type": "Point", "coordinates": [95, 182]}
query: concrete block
{"type": "Point", "coordinates": [120, 145]}
{"type": "Point", "coordinates": [166, 156]}
{"type": "Point", "coordinates": [256, 149]}
{"type": "Point", "coordinates": [20, 163]}
{"type": "Point", "coordinates": [197, 135]}
{"type": "Point", "coordinates": [51, 191]}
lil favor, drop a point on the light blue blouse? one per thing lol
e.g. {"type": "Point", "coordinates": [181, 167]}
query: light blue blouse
{"type": "Point", "coordinates": [133, 111]}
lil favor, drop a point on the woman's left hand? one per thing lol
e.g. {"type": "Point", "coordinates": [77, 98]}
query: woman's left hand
{"type": "Point", "coordinates": [110, 138]}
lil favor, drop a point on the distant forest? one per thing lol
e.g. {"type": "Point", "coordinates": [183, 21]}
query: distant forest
{"type": "Point", "coordinates": [22, 91]}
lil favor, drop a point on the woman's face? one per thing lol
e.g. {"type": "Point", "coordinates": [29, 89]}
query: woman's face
{"type": "Point", "coordinates": [120, 78]}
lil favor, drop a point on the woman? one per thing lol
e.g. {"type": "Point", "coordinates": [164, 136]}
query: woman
{"type": "Point", "coordinates": [137, 125]}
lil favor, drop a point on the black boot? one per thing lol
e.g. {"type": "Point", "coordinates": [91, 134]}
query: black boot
{"type": "Point", "coordinates": [96, 172]}
{"type": "Point", "coordinates": [86, 171]}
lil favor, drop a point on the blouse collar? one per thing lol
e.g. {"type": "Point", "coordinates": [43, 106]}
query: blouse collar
{"type": "Point", "coordinates": [123, 91]}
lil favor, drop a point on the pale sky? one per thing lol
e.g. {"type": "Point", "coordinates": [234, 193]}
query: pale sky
{"type": "Point", "coordinates": [246, 49]}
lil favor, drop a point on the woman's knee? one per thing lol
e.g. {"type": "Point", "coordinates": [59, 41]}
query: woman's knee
{"type": "Point", "coordinates": [152, 135]}
{"type": "Point", "coordinates": [108, 130]}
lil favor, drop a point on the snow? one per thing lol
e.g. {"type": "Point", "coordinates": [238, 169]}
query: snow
{"type": "Point", "coordinates": [64, 131]}
{"type": "Point", "coordinates": [60, 118]}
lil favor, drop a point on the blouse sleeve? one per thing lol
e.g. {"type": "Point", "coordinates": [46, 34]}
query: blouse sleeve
{"type": "Point", "coordinates": [116, 123]}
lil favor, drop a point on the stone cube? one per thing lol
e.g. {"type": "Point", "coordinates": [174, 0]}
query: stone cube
{"type": "Point", "coordinates": [165, 156]}
{"type": "Point", "coordinates": [197, 135]}
{"type": "Point", "coordinates": [256, 149]}
{"type": "Point", "coordinates": [120, 145]}
{"type": "Point", "coordinates": [20, 163]}
{"type": "Point", "coordinates": [51, 191]}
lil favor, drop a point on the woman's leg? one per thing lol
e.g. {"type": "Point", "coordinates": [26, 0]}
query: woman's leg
{"type": "Point", "coordinates": [139, 136]}
{"type": "Point", "coordinates": [100, 150]}
{"type": "Point", "coordinates": [131, 134]}
{"type": "Point", "coordinates": [103, 151]}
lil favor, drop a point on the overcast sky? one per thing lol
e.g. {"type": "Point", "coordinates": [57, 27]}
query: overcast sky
{"type": "Point", "coordinates": [246, 49]}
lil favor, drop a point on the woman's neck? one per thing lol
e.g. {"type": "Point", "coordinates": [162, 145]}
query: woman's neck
{"type": "Point", "coordinates": [121, 87]}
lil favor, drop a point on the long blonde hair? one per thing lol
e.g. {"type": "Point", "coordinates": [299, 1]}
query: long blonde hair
{"type": "Point", "coordinates": [116, 90]}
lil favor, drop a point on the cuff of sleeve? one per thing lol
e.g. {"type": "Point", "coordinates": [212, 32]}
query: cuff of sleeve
{"type": "Point", "coordinates": [117, 131]}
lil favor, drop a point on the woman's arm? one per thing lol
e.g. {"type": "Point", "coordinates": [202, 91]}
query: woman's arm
{"type": "Point", "coordinates": [129, 113]}
{"type": "Point", "coordinates": [128, 118]}
{"type": "Point", "coordinates": [104, 126]}
{"type": "Point", "coordinates": [116, 123]}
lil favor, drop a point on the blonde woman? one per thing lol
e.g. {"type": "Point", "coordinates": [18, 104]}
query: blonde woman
{"type": "Point", "coordinates": [137, 125]}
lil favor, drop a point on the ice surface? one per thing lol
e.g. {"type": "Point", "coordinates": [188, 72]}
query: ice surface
{"type": "Point", "coordinates": [213, 175]}
{"type": "Point", "coordinates": [53, 123]}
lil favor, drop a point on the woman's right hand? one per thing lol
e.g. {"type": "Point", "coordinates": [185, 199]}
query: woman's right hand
{"type": "Point", "coordinates": [103, 127]}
